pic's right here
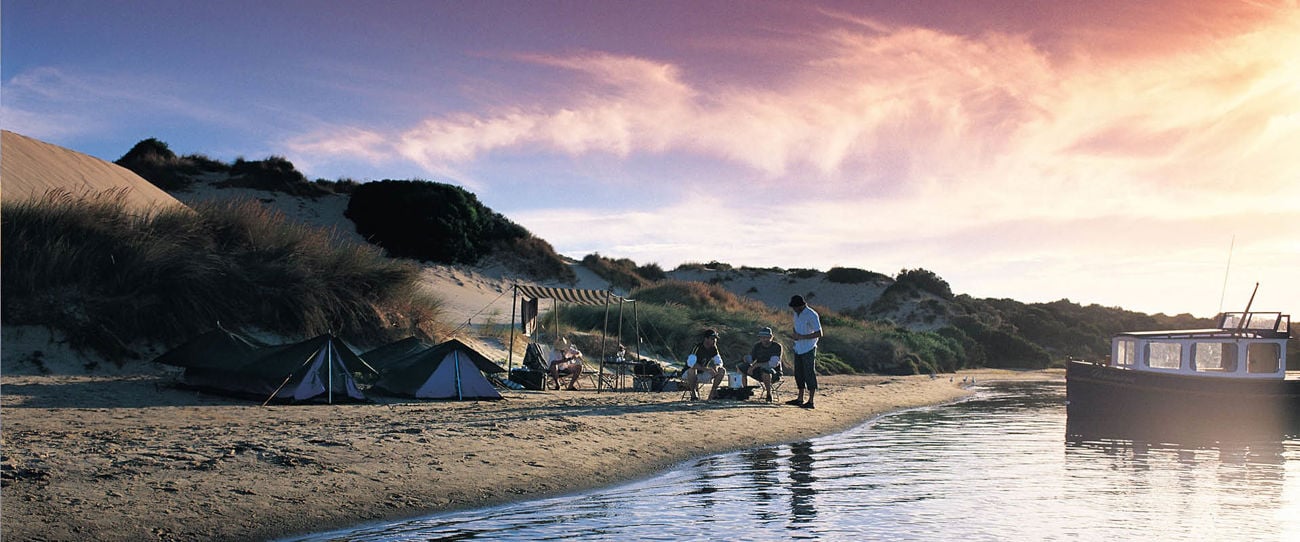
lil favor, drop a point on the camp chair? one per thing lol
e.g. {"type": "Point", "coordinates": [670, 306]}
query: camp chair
{"type": "Point", "coordinates": [599, 379]}
{"type": "Point", "coordinates": [542, 362]}
{"type": "Point", "coordinates": [777, 382]}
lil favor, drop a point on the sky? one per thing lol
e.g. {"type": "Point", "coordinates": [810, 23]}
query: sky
{"type": "Point", "coordinates": [1141, 155]}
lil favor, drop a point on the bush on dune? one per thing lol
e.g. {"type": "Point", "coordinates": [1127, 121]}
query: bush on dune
{"type": "Point", "coordinates": [623, 273]}
{"type": "Point", "coordinates": [441, 223]}
{"type": "Point", "coordinates": [107, 277]}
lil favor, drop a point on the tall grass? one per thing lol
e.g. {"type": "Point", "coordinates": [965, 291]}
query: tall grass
{"type": "Point", "coordinates": [108, 277]}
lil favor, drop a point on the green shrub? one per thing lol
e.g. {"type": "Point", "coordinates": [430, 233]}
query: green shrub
{"type": "Point", "coordinates": [850, 275]}
{"type": "Point", "coordinates": [155, 162]}
{"type": "Point", "coordinates": [441, 223]}
{"type": "Point", "coordinates": [273, 174]}
{"type": "Point", "coordinates": [923, 280]}
{"type": "Point", "coordinates": [622, 273]}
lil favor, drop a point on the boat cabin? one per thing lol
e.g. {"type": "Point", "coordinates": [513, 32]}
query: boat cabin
{"type": "Point", "coordinates": [1245, 345]}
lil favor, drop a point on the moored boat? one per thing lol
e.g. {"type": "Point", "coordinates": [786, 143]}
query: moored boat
{"type": "Point", "coordinates": [1222, 383]}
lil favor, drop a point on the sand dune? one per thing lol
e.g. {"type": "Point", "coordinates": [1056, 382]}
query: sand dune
{"type": "Point", "coordinates": [30, 168]}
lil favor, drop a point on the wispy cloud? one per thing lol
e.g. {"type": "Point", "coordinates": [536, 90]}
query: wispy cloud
{"type": "Point", "coordinates": [54, 103]}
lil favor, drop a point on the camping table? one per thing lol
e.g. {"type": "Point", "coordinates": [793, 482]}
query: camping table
{"type": "Point", "coordinates": [621, 369]}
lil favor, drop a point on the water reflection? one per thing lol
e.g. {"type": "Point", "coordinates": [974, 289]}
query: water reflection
{"type": "Point", "coordinates": [992, 468]}
{"type": "Point", "coordinates": [803, 509]}
{"type": "Point", "coordinates": [761, 466]}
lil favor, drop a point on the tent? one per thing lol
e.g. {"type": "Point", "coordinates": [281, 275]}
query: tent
{"type": "Point", "coordinates": [383, 356]}
{"type": "Point", "coordinates": [451, 370]}
{"type": "Point", "coordinates": [317, 369]}
{"type": "Point", "coordinates": [526, 306]}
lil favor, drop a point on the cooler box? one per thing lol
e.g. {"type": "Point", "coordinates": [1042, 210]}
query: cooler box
{"type": "Point", "coordinates": [737, 379]}
{"type": "Point", "coordinates": [529, 379]}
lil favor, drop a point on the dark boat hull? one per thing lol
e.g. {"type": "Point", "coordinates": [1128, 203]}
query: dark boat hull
{"type": "Point", "coordinates": [1106, 401]}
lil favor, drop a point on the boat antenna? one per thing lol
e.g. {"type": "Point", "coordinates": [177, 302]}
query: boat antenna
{"type": "Point", "coordinates": [1225, 273]}
{"type": "Point", "coordinates": [1246, 315]}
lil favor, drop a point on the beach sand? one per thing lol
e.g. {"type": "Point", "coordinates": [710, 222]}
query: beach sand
{"type": "Point", "coordinates": [129, 457]}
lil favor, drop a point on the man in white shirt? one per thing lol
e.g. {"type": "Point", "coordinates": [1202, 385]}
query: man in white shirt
{"type": "Point", "coordinates": [807, 329]}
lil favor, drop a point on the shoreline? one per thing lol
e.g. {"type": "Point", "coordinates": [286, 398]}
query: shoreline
{"type": "Point", "coordinates": [127, 457]}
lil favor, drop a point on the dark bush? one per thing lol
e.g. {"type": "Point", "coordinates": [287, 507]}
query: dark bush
{"type": "Point", "coordinates": [924, 280]}
{"type": "Point", "coordinates": [442, 223]}
{"type": "Point", "coordinates": [850, 275]}
{"type": "Point", "coordinates": [274, 174]}
{"type": "Point", "coordinates": [155, 162]}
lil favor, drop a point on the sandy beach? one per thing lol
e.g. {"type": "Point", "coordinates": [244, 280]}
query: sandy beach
{"type": "Point", "coordinates": [130, 457]}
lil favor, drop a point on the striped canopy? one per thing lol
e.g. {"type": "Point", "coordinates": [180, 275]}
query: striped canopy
{"type": "Point", "coordinates": [576, 296]}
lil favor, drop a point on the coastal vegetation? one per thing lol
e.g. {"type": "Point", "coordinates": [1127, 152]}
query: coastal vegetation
{"type": "Point", "coordinates": [108, 278]}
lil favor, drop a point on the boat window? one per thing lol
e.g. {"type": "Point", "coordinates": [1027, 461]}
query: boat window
{"type": "Point", "coordinates": [1161, 355]}
{"type": "Point", "coordinates": [1263, 357]}
{"type": "Point", "coordinates": [1215, 357]}
{"type": "Point", "coordinates": [1125, 352]}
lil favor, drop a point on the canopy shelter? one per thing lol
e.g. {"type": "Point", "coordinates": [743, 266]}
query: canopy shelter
{"type": "Point", "coordinates": [526, 301]}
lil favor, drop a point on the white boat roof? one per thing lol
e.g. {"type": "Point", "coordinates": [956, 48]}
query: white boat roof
{"type": "Point", "coordinates": [1232, 325]}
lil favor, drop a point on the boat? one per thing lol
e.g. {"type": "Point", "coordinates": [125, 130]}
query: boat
{"type": "Point", "coordinates": [1224, 383]}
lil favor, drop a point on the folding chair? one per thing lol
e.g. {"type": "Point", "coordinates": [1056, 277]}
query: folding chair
{"type": "Point", "coordinates": [599, 380]}
{"type": "Point", "coordinates": [686, 389]}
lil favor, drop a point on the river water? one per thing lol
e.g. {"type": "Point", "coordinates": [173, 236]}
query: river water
{"type": "Point", "coordinates": [995, 467]}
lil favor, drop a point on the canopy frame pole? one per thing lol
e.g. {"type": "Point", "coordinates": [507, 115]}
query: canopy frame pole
{"type": "Point", "coordinates": [510, 348]}
{"type": "Point", "coordinates": [604, 330]}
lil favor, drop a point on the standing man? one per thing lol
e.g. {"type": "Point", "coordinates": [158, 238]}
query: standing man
{"type": "Point", "coordinates": [807, 329]}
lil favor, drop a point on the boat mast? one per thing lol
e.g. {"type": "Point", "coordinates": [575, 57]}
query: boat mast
{"type": "Point", "coordinates": [1246, 314]}
{"type": "Point", "coordinates": [1226, 270]}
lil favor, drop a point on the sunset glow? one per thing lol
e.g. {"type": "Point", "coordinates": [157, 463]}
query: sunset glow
{"type": "Point", "coordinates": [1106, 152]}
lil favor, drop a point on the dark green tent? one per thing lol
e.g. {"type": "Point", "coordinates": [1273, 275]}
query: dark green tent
{"type": "Point", "coordinates": [216, 349]}
{"type": "Point", "coordinates": [382, 357]}
{"type": "Point", "coordinates": [450, 370]}
{"type": "Point", "coordinates": [318, 369]}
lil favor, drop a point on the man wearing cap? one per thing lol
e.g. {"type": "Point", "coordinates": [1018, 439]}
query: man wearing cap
{"type": "Point", "coordinates": [807, 329]}
{"type": "Point", "coordinates": [705, 361]}
{"type": "Point", "coordinates": [763, 360]}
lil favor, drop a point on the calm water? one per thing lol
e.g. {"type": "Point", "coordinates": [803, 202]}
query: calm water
{"type": "Point", "coordinates": [996, 467]}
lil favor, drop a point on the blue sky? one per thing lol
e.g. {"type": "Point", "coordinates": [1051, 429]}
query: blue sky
{"type": "Point", "coordinates": [1106, 152]}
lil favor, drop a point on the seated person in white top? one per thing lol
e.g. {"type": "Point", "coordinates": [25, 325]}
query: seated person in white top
{"type": "Point", "coordinates": [566, 359]}
{"type": "Point", "coordinates": [705, 362]}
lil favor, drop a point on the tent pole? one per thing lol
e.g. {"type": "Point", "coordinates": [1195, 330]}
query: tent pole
{"type": "Point", "coordinates": [514, 304]}
{"type": "Point", "coordinates": [604, 330]}
{"type": "Point", "coordinates": [329, 372]}
{"type": "Point", "coordinates": [460, 394]}
{"type": "Point", "coordinates": [636, 328]}
{"type": "Point", "coordinates": [286, 379]}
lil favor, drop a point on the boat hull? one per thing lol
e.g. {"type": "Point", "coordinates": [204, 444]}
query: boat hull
{"type": "Point", "coordinates": [1104, 401]}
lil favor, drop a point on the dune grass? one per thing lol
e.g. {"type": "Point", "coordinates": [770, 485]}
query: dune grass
{"type": "Point", "coordinates": [109, 277]}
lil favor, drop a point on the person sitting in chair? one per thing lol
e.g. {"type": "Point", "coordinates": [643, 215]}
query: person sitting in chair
{"type": "Point", "coordinates": [566, 359]}
{"type": "Point", "coordinates": [763, 360]}
{"type": "Point", "coordinates": [707, 362]}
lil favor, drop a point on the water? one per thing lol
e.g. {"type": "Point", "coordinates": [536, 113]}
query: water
{"type": "Point", "coordinates": [996, 467]}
